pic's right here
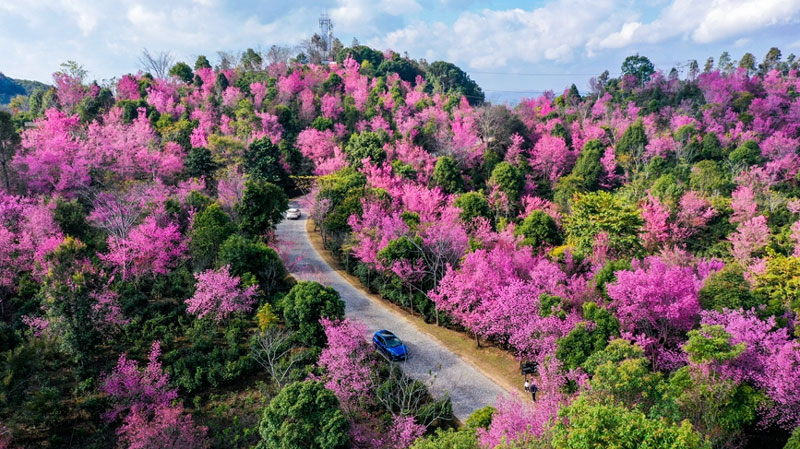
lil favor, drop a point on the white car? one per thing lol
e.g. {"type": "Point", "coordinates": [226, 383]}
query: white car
{"type": "Point", "coordinates": [293, 213]}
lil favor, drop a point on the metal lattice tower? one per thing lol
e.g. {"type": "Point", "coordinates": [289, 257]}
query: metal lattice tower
{"type": "Point", "coordinates": [326, 32]}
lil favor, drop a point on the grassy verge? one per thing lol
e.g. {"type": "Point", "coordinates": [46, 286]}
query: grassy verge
{"type": "Point", "coordinates": [498, 365]}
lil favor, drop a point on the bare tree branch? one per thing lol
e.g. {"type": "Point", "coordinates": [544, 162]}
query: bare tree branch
{"type": "Point", "coordinates": [271, 351]}
{"type": "Point", "coordinates": [227, 59]}
{"type": "Point", "coordinates": [157, 64]}
{"type": "Point", "coordinates": [278, 54]}
{"type": "Point", "coordinates": [114, 214]}
{"type": "Point", "coordinates": [405, 396]}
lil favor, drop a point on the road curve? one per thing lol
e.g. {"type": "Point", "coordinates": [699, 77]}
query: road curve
{"type": "Point", "coordinates": [469, 389]}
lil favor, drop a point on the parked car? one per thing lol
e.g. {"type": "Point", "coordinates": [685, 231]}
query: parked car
{"type": "Point", "coordinates": [293, 213]}
{"type": "Point", "coordinates": [389, 345]}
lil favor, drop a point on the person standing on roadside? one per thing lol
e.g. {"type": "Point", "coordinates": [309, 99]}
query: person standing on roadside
{"type": "Point", "coordinates": [527, 384]}
{"type": "Point", "coordinates": [533, 389]}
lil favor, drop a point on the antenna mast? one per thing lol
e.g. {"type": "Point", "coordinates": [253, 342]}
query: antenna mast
{"type": "Point", "coordinates": [326, 33]}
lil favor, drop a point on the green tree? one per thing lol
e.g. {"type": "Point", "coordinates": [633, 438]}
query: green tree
{"type": "Point", "coordinates": [589, 425]}
{"type": "Point", "coordinates": [304, 415]}
{"type": "Point", "coordinates": [67, 292]}
{"type": "Point", "coordinates": [9, 141]}
{"type": "Point", "coordinates": [668, 189]}
{"type": "Point", "coordinates": [262, 159]}
{"type": "Point", "coordinates": [71, 218]}
{"type": "Point", "coordinates": [248, 258]}
{"type": "Point", "coordinates": [343, 190]}
{"type": "Point", "coordinates": [508, 179]}
{"type": "Point", "coordinates": [748, 62]}
{"type": "Point", "coordinates": [221, 83]}
{"type": "Point", "coordinates": [403, 247]}
{"type": "Point", "coordinates": [333, 82]}
{"type": "Point", "coordinates": [638, 66]}
{"type": "Point", "coordinates": [480, 418]}
{"type": "Point", "coordinates": [199, 162]}
{"type": "Point", "coordinates": [447, 175]}
{"type": "Point", "coordinates": [473, 205]}
{"type": "Point", "coordinates": [251, 60]}
{"type": "Point", "coordinates": [566, 188]}
{"type": "Point", "coordinates": [585, 339]}
{"type": "Point", "coordinates": [712, 344]}
{"type": "Point", "coordinates": [445, 77]}
{"type": "Point", "coordinates": [771, 61]}
{"type": "Point", "coordinates": [588, 167]}
{"type": "Point", "coordinates": [780, 283]}
{"type": "Point", "coordinates": [718, 408]}
{"type": "Point", "coordinates": [607, 274]}
{"type": "Point", "coordinates": [538, 229]}
{"type": "Point", "coordinates": [596, 212]}
{"type": "Point", "coordinates": [631, 146]}
{"type": "Point", "coordinates": [746, 154]}
{"type": "Point", "coordinates": [712, 148]}
{"type": "Point", "coordinates": [35, 102]}
{"type": "Point", "coordinates": [708, 178]}
{"type": "Point", "coordinates": [210, 228]}
{"type": "Point", "coordinates": [629, 382]}
{"type": "Point", "coordinates": [202, 63]}
{"type": "Point", "coordinates": [615, 352]}
{"type": "Point", "coordinates": [182, 71]}
{"type": "Point", "coordinates": [366, 144]}
{"type": "Point", "coordinates": [401, 66]}
{"type": "Point", "coordinates": [448, 439]}
{"type": "Point", "coordinates": [794, 440]}
{"type": "Point", "coordinates": [261, 207]}
{"type": "Point", "coordinates": [727, 289]}
{"type": "Point", "coordinates": [360, 53]}
{"type": "Point", "coordinates": [304, 305]}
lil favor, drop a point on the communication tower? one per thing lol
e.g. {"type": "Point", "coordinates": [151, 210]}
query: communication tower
{"type": "Point", "coordinates": [326, 33]}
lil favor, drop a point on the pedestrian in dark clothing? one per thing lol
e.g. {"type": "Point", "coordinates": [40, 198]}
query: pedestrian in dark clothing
{"type": "Point", "coordinates": [533, 389]}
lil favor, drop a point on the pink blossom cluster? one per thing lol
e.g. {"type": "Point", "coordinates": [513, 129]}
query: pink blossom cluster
{"type": "Point", "coordinates": [218, 294]}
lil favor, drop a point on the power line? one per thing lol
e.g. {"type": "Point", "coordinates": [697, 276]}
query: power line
{"type": "Point", "coordinates": [539, 74]}
{"type": "Point", "coordinates": [516, 91]}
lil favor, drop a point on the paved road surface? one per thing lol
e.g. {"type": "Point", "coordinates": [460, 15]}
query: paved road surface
{"type": "Point", "coordinates": [469, 388]}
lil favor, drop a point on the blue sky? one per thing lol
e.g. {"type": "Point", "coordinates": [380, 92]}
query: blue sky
{"type": "Point", "coordinates": [512, 48]}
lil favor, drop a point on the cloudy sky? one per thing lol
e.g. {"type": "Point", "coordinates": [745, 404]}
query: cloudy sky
{"type": "Point", "coordinates": [512, 48]}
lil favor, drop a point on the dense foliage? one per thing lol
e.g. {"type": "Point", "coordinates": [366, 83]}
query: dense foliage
{"type": "Point", "coordinates": [641, 243]}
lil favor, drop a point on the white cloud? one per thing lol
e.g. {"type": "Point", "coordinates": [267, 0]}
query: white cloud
{"type": "Point", "coordinates": [399, 7]}
{"type": "Point", "coordinates": [367, 17]}
{"type": "Point", "coordinates": [621, 38]}
{"type": "Point", "coordinates": [488, 38]}
{"type": "Point", "coordinates": [730, 18]}
{"type": "Point", "coordinates": [702, 21]}
{"type": "Point", "coordinates": [107, 36]}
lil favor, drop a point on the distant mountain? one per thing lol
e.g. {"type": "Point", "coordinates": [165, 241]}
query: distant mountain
{"type": "Point", "coordinates": [10, 87]}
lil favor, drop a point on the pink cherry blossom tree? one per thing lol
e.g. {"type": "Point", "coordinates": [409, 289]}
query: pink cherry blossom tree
{"type": "Point", "coordinates": [51, 157]}
{"type": "Point", "coordinates": [144, 399]}
{"type": "Point", "coordinates": [551, 157]}
{"type": "Point", "coordinates": [658, 302]}
{"type": "Point", "coordinates": [129, 386]}
{"type": "Point", "coordinates": [218, 295]}
{"type": "Point", "coordinates": [149, 248]}
{"type": "Point", "coordinates": [166, 427]}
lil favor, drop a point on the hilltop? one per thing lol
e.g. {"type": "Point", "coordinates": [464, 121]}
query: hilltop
{"type": "Point", "coordinates": [10, 88]}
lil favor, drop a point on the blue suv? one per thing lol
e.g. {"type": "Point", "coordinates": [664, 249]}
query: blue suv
{"type": "Point", "coordinates": [389, 345]}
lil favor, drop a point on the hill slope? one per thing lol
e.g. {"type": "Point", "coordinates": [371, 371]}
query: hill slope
{"type": "Point", "coordinates": [10, 87]}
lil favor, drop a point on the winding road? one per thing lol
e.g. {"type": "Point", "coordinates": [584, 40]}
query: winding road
{"type": "Point", "coordinates": [430, 361]}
